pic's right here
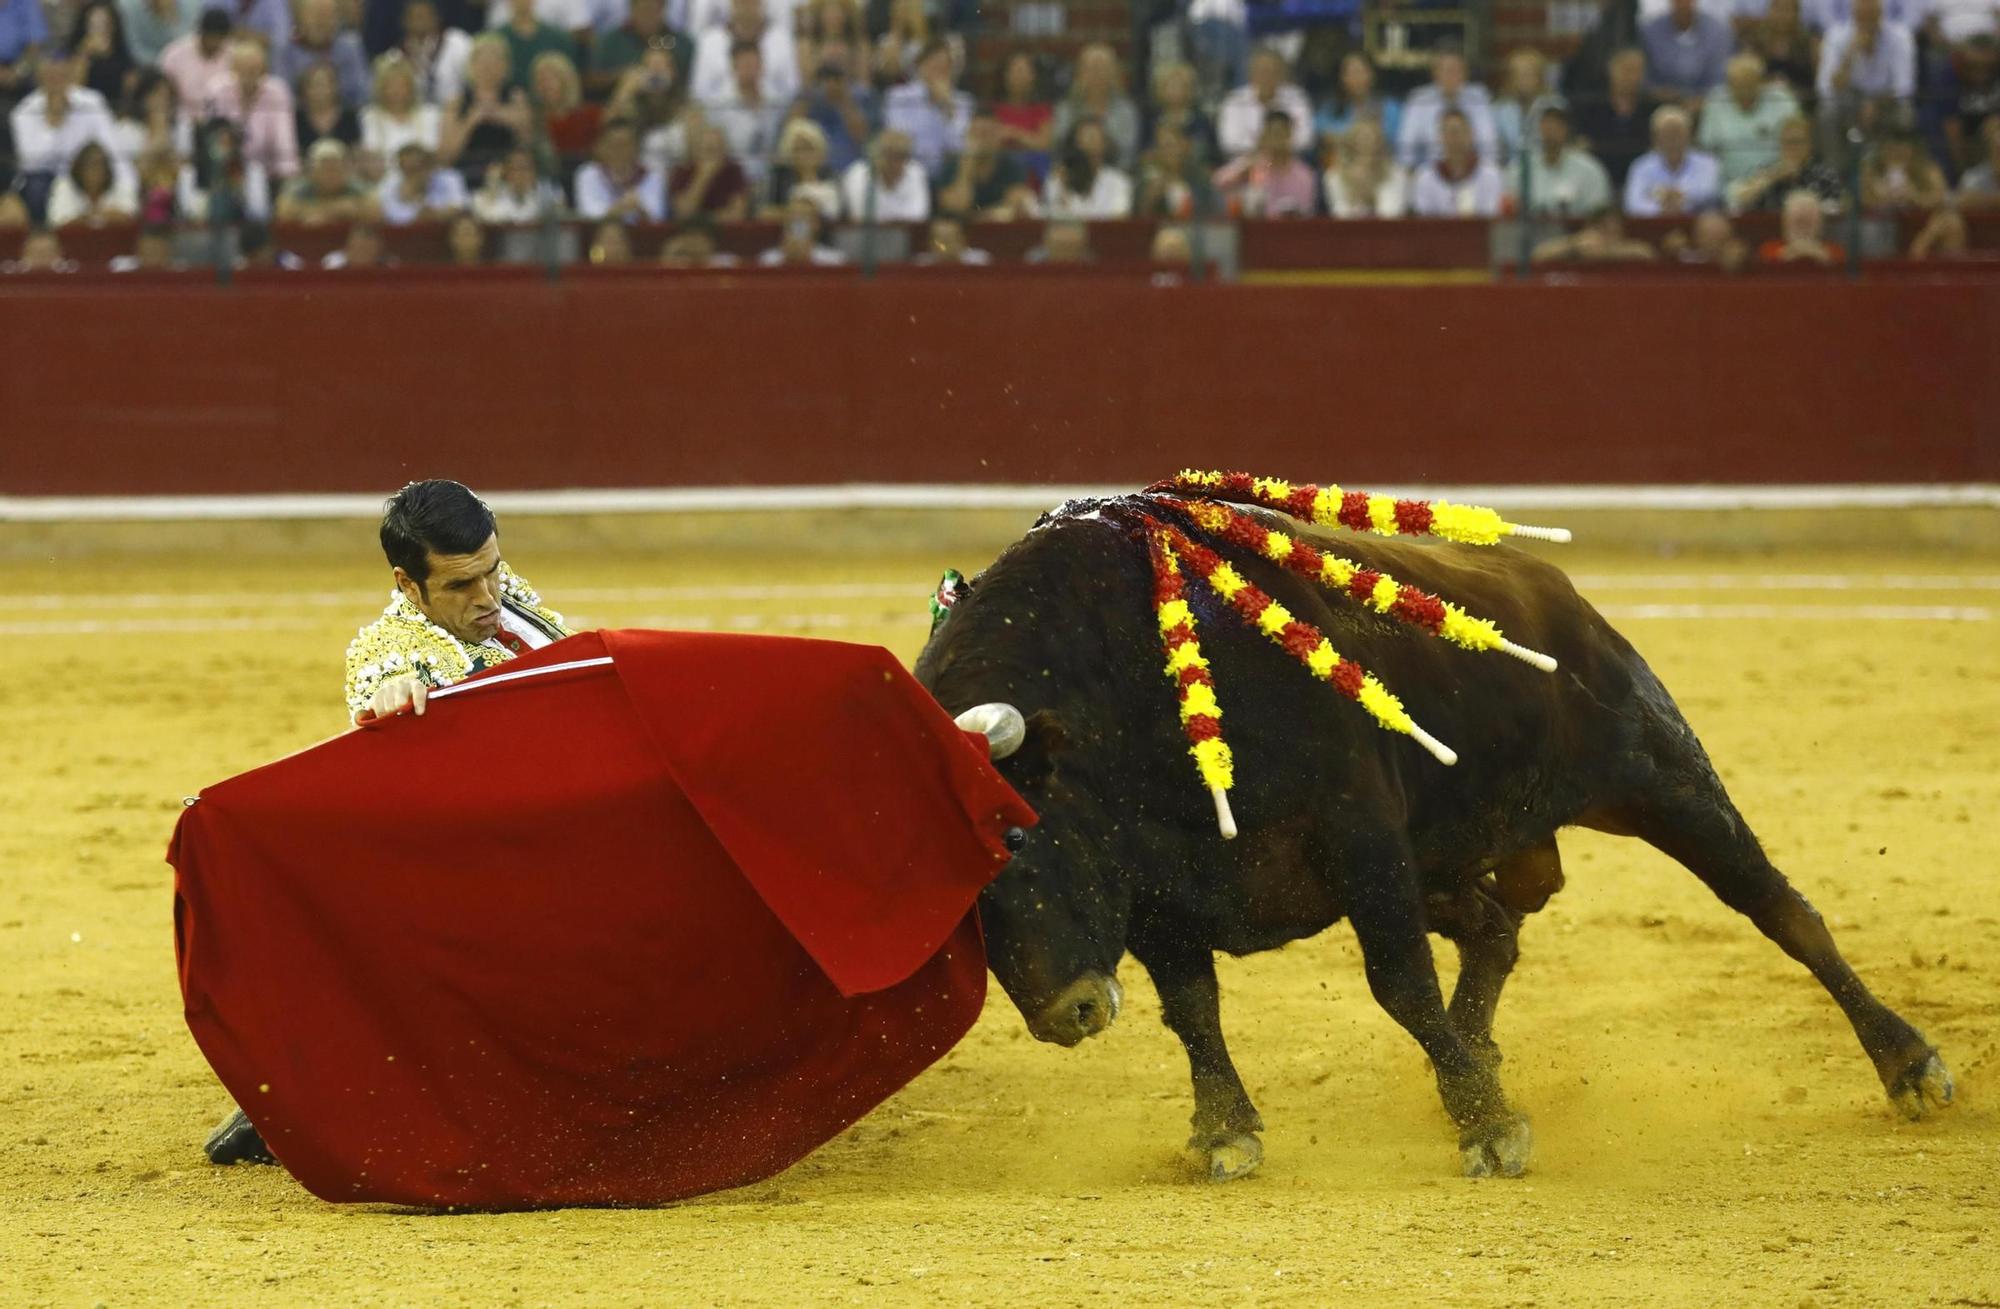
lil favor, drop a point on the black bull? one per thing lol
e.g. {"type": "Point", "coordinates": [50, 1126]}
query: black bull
{"type": "Point", "coordinates": [1338, 818]}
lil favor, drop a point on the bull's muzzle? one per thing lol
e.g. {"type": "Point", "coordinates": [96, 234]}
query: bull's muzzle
{"type": "Point", "coordinates": [1083, 1008]}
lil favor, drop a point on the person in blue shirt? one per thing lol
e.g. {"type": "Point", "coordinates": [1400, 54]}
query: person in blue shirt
{"type": "Point", "coordinates": [23, 33]}
{"type": "Point", "coordinates": [1671, 178]}
{"type": "Point", "coordinates": [1357, 99]}
{"type": "Point", "coordinates": [1687, 53]}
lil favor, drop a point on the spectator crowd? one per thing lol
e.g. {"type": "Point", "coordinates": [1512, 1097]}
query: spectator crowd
{"type": "Point", "coordinates": [181, 114]}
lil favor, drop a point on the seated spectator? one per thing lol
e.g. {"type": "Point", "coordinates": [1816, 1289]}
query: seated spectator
{"type": "Point", "coordinates": [777, 54]}
{"type": "Point", "coordinates": [946, 245]}
{"type": "Point", "coordinates": [153, 25]}
{"type": "Point", "coordinates": [985, 182]}
{"type": "Point", "coordinates": [1600, 240]}
{"type": "Point", "coordinates": [1421, 138]}
{"type": "Point", "coordinates": [159, 173]}
{"type": "Point", "coordinates": [1240, 121]}
{"type": "Point", "coordinates": [710, 183]}
{"type": "Point", "coordinates": [618, 186]}
{"type": "Point", "coordinates": [321, 115]}
{"type": "Point", "coordinates": [1363, 180]}
{"type": "Point", "coordinates": [93, 192]}
{"type": "Point", "coordinates": [259, 104]}
{"type": "Point", "coordinates": [489, 119]}
{"type": "Point", "coordinates": [1064, 241]}
{"type": "Point", "coordinates": [317, 40]}
{"type": "Point", "coordinates": [513, 194]}
{"type": "Point", "coordinates": [1617, 129]}
{"type": "Point", "coordinates": [800, 245]}
{"type": "Point", "coordinates": [527, 38]}
{"type": "Point", "coordinates": [1799, 238]}
{"type": "Point", "coordinates": [1171, 249]}
{"type": "Point", "coordinates": [1672, 178]}
{"type": "Point", "coordinates": [152, 252]}
{"type": "Point", "coordinates": [891, 189]}
{"type": "Point", "coordinates": [1972, 94]}
{"type": "Point", "coordinates": [1172, 182]}
{"type": "Point", "coordinates": [1084, 185]}
{"type": "Point", "coordinates": [823, 25]}
{"type": "Point", "coordinates": [1711, 242]}
{"type": "Point", "coordinates": [1795, 167]}
{"type": "Point", "coordinates": [610, 245]}
{"type": "Point", "coordinates": [1943, 237]}
{"type": "Point", "coordinates": [465, 241]}
{"type": "Point", "coordinates": [1980, 187]}
{"type": "Point", "coordinates": [1686, 51]}
{"type": "Point", "coordinates": [843, 107]}
{"type": "Point", "coordinates": [13, 214]}
{"type": "Point", "coordinates": [1563, 181]}
{"type": "Point", "coordinates": [149, 119]}
{"type": "Point", "coordinates": [1098, 92]}
{"type": "Point", "coordinates": [1458, 183]}
{"type": "Point", "coordinates": [906, 30]}
{"type": "Point", "coordinates": [53, 124]}
{"type": "Point", "coordinates": [97, 43]}
{"type": "Point", "coordinates": [195, 61]}
{"type": "Point", "coordinates": [929, 109]}
{"type": "Point", "coordinates": [41, 252]}
{"type": "Point", "coordinates": [748, 119]}
{"type": "Point", "coordinates": [1741, 128]}
{"type": "Point", "coordinates": [1900, 174]}
{"type": "Point", "coordinates": [1955, 22]}
{"type": "Point", "coordinates": [438, 54]}
{"type": "Point", "coordinates": [362, 249]}
{"type": "Point", "coordinates": [622, 48]}
{"type": "Point", "coordinates": [649, 95]}
{"type": "Point", "coordinates": [1174, 106]}
{"type": "Point", "coordinates": [694, 247]}
{"type": "Point", "coordinates": [1357, 99]}
{"type": "Point", "coordinates": [574, 17]}
{"type": "Point", "coordinates": [328, 192]}
{"type": "Point", "coordinates": [566, 126]}
{"type": "Point", "coordinates": [1271, 181]}
{"type": "Point", "coordinates": [1514, 112]}
{"type": "Point", "coordinates": [1025, 114]}
{"type": "Point", "coordinates": [1866, 59]}
{"type": "Point", "coordinates": [418, 191]}
{"type": "Point", "coordinates": [267, 22]}
{"type": "Point", "coordinates": [1218, 35]}
{"type": "Point", "coordinates": [1780, 38]}
{"type": "Point", "coordinates": [218, 185]}
{"type": "Point", "coordinates": [396, 116]}
{"type": "Point", "coordinates": [802, 171]}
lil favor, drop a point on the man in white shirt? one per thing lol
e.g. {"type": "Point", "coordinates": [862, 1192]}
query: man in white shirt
{"type": "Point", "coordinates": [572, 16]}
{"type": "Point", "coordinates": [616, 184]}
{"type": "Point", "coordinates": [711, 78]}
{"type": "Point", "coordinates": [59, 119]}
{"type": "Point", "coordinates": [418, 191]}
{"type": "Point", "coordinates": [1670, 178]}
{"type": "Point", "coordinates": [901, 192]}
{"type": "Point", "coordinates": [1419, 138]}
{"type": "Point", "coordinates": [748, 118]}
{"type": "Point", "coordinates": [1867, 58]}
{"type": "Point", "coordinates": [1240, 121]}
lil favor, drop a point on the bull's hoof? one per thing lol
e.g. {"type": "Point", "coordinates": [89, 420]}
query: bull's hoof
{"type": "Point", "coordinates": [1226, 1158]}
{"type": "Point", "coordinates": [1924, 1087]}
{"type": "Point", "coordinates": [1497, 1149]}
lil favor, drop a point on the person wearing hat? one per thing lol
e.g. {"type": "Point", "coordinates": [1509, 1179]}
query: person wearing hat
{"type": "Point", "coordinates": [1557, 178]}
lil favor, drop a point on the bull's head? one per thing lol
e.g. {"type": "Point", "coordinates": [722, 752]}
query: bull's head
{"type": "Point", "coordinates": [1055, 918]}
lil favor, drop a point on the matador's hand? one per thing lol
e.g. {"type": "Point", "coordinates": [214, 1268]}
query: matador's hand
{"type": "Point", "coordinates": [395, 695]}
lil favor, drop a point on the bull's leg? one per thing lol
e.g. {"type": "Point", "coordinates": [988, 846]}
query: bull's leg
{"type": "Point", "coordinates": [1226, 1124]}
{"type": "Point", "coordinates": [1487, 936]}
{"type": "Point", "coordinates": [1690, 818]}
{"type": "Point", "coordinates": [1385, 905]}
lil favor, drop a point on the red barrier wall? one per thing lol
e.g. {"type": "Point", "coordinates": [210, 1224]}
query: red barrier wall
{"type": "Point", "coordinates": [310, 383]}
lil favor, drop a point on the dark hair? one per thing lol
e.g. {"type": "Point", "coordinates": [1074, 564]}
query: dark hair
{"type": "Point", "coordinates": [436, 516]}
{"type": "Point", "coordinates": [1277, 116]}
{"type": "Point", "coordinates": [93, 150]}
{"type": "Point", "coordinates": [745, 48]}
{"type": "Point", "coordinates": [148, 80]}
{"type": "Point", "coordinates": [216, 22]}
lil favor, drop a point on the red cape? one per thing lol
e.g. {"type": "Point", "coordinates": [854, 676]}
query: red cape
{"type": "Point", "coordinates": [612, 935]}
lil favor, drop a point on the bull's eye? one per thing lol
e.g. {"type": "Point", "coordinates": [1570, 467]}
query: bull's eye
{"type": "Point", "coordinates": [1013, 838]}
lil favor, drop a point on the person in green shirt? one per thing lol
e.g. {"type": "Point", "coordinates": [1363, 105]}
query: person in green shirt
{"type": "Point", "coordinates": [1740, 127]}
{"type": "Point", "coordinates": [622, 47]}
{"type": "Point", "coordinates": [528, 37]}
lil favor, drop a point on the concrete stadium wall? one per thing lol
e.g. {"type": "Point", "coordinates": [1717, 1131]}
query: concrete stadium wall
{"type": "Point", "coordinates": [328, 383]}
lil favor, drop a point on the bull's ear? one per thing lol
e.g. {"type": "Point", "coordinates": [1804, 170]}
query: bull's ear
{"type": "Point", "coordinates": [1045, 740]}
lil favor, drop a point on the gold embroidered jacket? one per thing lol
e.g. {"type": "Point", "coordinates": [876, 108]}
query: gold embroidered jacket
{"type": "Point", "coordinates": [402, 641]}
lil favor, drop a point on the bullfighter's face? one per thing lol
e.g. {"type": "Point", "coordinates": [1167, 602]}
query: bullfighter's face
{"type": "Point", "coordinates": [1055, 918]}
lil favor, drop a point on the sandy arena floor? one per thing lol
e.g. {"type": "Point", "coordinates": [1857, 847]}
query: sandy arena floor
{"type": "Point", "coordinates": [1708, 1130]}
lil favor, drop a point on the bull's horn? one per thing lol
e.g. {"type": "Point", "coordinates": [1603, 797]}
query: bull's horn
{"type": "Point", "coordinates": [1001, 725]}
